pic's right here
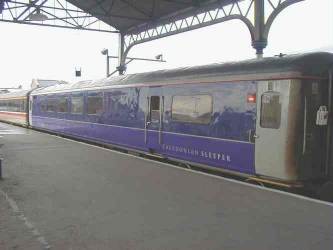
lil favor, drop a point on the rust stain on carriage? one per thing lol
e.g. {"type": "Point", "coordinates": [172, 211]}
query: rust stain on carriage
{"type": "Point", "coordinates": [293, 125]}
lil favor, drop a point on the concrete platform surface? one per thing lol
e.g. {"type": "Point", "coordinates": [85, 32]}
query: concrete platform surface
{"type": "Point", "coordinates": [61, 194]}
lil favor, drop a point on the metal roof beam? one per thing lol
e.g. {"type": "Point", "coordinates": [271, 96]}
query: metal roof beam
{"type": "Point", "coordinates": [222, 13]}
{"type": "Point", "coordinates": [202, 19]}
{"type": "Point", "coordinates": [77, 11]}
{"type": "Point", "coordinates": [188, 11]}
{"type": "Point", "coordinates": [30, 5]}
{"type": "Point", "coordinates": [36, 8]}
{"type": "Point", "coordinates": [182, 3]}
{"type": "Point", "coordinates": [61, 14]}
{"type": "Point", "coordinates": [60, 26]}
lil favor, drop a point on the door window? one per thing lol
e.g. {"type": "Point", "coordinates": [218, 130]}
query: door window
{"type": "Point", "coordinates": [270, 114]}
{"type": "Point", "coordinates": [155, 108]}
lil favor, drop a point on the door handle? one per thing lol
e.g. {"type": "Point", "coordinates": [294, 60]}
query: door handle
{"type": "Point", "coordinates": [256, 136]}
{"type": "Point", "coordinates": [249, 135]}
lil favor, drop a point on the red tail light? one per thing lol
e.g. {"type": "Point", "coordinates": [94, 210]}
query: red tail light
{"type": "Point", "coordinates": [251, 98]}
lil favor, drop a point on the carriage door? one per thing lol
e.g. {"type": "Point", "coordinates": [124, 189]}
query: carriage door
{"type": "Point", "coordinates": [270, 136]}
{"type": "Point", "coordinates": [154, 120]}
{"type": "Point", "coordinates": [29, 107]}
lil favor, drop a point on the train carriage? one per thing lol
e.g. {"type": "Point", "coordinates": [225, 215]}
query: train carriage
{"type": "Point", "coordinates": [267, 119]}
{"type": "Point", "coordinates": [256, 118]}
{"type": "Point", "coordinates": [14, 107]}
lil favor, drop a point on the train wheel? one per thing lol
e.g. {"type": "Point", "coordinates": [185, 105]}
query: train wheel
{"type": "Point", "coordinates": [326, 191]}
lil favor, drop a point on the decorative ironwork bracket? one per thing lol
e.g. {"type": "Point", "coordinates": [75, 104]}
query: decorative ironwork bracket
{"type": "Point", "coordinates": [251, 12]}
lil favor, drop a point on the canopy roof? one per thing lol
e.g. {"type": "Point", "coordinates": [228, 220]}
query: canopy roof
{"type": "Point", "coordinates": [129, 16]}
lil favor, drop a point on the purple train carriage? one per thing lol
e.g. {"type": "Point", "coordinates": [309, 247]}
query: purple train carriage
{"type": "Point", "coordinates": [262, 119]}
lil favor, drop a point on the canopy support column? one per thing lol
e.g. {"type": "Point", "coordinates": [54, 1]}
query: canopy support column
{"type": "Point", "coordinates": [262, 27]}
{"type": "Point", "coordinates": [121, 55]}
{"type": "Point", "coordinates": [259, 41]}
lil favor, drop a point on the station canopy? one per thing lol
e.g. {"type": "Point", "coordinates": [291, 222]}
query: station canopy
{"type": "Point", "coordinates": [140, 21]}
{"type": "Point", "coordinates": [134, 16]}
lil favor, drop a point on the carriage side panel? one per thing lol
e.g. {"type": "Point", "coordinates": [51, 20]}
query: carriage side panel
{"type": "Point", "coordinates": [225, 140]}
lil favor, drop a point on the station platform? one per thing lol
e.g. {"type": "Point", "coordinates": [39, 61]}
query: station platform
{"type": "Point", "coordinates": [62, 194]}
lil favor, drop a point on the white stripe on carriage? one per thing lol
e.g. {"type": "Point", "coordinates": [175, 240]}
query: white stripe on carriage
{"type": "Point", "coordinates": [141, 129]}
{"type": "Point", "coordinates": [197, 172]}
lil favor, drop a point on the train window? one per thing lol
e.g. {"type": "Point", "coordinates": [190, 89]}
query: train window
{"type": "Point", "coordinates": [3, 105]}
{"type": "Point", "coordinates": [43, 105]}
{"type": "Point", "coordinates": [95, 104]}
{"type": "Point", "coordinates": [14, 105]}
{"type": "Point", "coordinates": [63, 104]}
{"type": "Point", "coordinates": [19, 105]}
{"type": "Point", "coordinates": [24, 106]}
{"type": "Point", "coordinates": [51, 105]}
{"type": "Point", "coordinates": [155, 108]}
{"type": "Point", "coordinates": [77, 104]}
{"type": "Point", "coordinates": [193, 109]}
{"type": "Point", "coordinates": [11, 105]}
{"type": "Point", "coordinates": [270, 110]}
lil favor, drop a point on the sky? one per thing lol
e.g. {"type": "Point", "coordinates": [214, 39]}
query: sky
{"type": "Point", "coordinates": [29, 52]}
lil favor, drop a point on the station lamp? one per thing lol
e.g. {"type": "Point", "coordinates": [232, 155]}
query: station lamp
{"type": "Point", "coordinates": [78, 72]}
{"type": "Point", "coordinates": [159, 57]}
{"type": "Point", "coordinates": [38, 16]}
{"type": "Point", "coordinates": [105, 52]}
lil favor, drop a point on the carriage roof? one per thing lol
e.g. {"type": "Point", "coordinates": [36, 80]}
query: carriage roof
{"type": "Point", "coordinates": [310, 64]}
{"type": "Point", "coordinates": [14, 95]}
